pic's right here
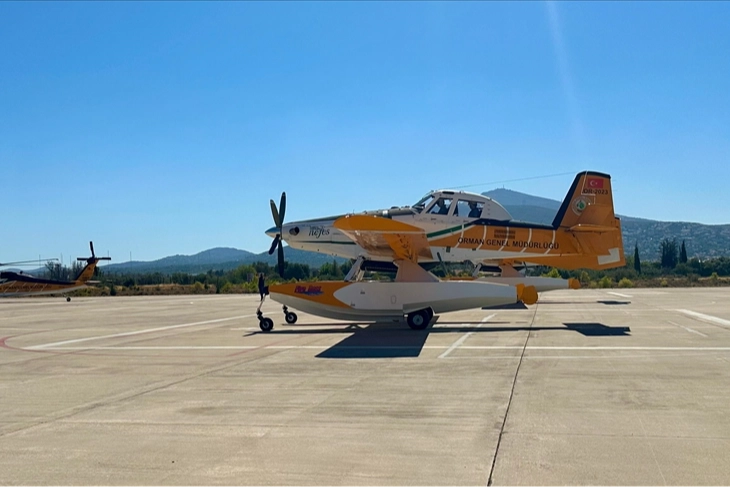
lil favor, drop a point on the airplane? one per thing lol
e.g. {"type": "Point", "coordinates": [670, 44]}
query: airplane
{"type": "Point", "coordinates": [446, 226]}
{"type": "Point", "coordinates": [18, 284]}
{"type": "Point", "coordinates": [466, 227]}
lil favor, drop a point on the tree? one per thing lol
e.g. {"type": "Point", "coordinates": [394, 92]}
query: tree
{"type": "Point", "coordinates": [668, 250]}
{"type": "Point", "coordinates": [683, 254]}
{"type": "Point", "coordinates": [637, 261]}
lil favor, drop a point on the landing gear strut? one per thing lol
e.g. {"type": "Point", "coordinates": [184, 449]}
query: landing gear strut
{"type": "Point", "coordinates": [419, 320]}
{"type": "Point", "coordinates": [289, 316]}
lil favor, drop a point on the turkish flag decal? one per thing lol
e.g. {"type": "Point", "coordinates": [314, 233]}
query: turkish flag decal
{"type": "Point", "coordinates": [594, 183]}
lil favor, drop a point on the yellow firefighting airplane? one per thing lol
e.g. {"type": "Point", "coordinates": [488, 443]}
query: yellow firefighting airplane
{"type": "Point", "coordinates": [18, 284]}
{"type": "Point", "coordinates": [447, 226]}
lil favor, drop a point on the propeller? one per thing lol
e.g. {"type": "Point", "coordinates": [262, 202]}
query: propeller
{"type": "Point", "coordinates": [93, 258]}
{"type": "Point", "coordinates": [278, 215]}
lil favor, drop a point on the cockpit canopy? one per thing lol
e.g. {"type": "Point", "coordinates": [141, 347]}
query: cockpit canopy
{"type": "Point", "coordinates": [461, 204]}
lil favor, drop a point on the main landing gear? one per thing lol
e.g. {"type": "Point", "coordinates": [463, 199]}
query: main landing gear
{"type": "Point", "coordinates": [267, 324]}
{"type": "Point", "coordinates": [289, 316]}
{"type": "Point", "coordinates": [419, 320]}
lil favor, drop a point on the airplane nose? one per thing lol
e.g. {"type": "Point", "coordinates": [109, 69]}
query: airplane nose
{"type": "Point", "coordinates": [272, 232]}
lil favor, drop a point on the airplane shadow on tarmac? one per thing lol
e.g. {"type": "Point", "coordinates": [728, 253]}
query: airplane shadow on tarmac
{"type": "Point", "coordinates": [609, 302]}
{"type": "Point", "coordinates": [385, 340]}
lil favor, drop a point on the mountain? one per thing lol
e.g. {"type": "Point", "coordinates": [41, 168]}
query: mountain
{"type": "Point", "coordinates": [220, 258]}
{"type": "Point", "coordinates": [507, 197]}
{"type": "Point", "coordinates": [704, 241]}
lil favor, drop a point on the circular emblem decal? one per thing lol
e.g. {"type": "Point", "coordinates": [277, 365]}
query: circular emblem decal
{"type": "Point", "coordinates": [580, 204]}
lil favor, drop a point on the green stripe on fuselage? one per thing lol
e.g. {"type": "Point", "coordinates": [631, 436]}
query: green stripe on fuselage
{"type": "Point", "coordinates": [441, 233]}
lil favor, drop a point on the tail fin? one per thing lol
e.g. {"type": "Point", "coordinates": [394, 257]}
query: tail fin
{"type": "Point", "coordinates": [587, 212]}
{"type": "Point", "coordinates": [88, 271]}
{"type": "Point", "coordinates": [588, 202]}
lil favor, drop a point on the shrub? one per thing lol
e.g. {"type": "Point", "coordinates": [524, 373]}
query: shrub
{"type": "Point", "coordinates": [553, 273]}
{"type": "Point", "coordinates": [605, 282]}
{"type": "Point", "coordinates": [584, 277]}
{"type": "Point", "coordinates": [625, 282]}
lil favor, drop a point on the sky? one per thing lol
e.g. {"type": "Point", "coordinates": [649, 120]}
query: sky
{"type": "Point", "coordinates": [165, 128]}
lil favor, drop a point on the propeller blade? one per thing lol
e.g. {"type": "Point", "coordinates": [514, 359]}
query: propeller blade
{"type": "Point", "coordinates": [282, 208]}
{"type": "Point", "coordinates": [275, 214]}
{"type": "Point", "coordinates": [281, 259]}
{"type": "Point", "coordinates": [274, 244]}
{"type": "Point", "coordinates": [91, 246]}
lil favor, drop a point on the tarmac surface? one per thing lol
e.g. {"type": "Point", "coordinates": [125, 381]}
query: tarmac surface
{"type": "Point", "coordinates": [617, 386]}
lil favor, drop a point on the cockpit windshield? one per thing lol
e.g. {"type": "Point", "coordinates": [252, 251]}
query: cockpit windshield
{"type": "Point", "coordinates": [423, 203]}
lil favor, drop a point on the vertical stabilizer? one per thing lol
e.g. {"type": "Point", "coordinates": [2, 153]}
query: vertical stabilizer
{"type": "Point", "coordinates": [88, 271]}
{"type": "Point", "coordinates": [588, 202]}
{"type": "Point", "coordinates": [587, 213]}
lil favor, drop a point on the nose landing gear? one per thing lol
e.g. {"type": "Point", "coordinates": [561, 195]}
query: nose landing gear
{"type": "Point", "coordinates": [266, 324]}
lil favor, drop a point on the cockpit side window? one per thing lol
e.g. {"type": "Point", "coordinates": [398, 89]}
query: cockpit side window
{"type": "Point", "coordinates": [441, 207]}
{"type": "Point", "coordinates": [469, 209]}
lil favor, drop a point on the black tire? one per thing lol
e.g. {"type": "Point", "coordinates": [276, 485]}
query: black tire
{"type": "Point", "coordinates": [291, 317]}
{"type": "Point", "coordinates": [266, 324]}
{"type": "Point", "coordinates": [68, 299]}
{"type": "Point", "coordinates": [430, 314]}
{"type": "Point", "coordinates": [419, 320]}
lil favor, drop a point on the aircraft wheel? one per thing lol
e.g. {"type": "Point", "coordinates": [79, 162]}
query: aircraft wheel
{"type": "Point", "coordinates": [419, 320]}
{"type": "Point", "coordinates": [266, 324]}
{"type": "Point", "coordinates": [68, 299]}
{"type": "Point", "coordinates": [291, 317]}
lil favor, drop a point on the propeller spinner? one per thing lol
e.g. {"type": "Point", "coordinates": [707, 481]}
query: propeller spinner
{"type": "Point", "coordinates": [279, 223]}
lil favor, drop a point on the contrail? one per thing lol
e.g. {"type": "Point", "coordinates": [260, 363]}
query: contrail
{"type": "Point", "coordinates": [566, 79]}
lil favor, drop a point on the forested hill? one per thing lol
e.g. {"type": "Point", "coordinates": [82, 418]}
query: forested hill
{"type": "Point", "coordinates": [704, 241]}
{"type": "Point", "coordinates": [220, 258]}
{"type": "Point", "coordinates": [701, 240]}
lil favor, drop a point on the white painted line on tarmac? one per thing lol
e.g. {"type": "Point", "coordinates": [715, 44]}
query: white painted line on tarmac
{"type": "Point", "coordinates": [619, 294]}
{"type": "Point", "coordinates": [688, 329]}
{"type": "Point", "coordinates": [138, 332]}
{"type": "Point", "coordinates": [388, 347]}
{"type": "Point", "coordinates": [713, 349]}
{"type": "Point", "coordinates": [704, 317]}
{"type": "Point", "coordinates": [461, 340]}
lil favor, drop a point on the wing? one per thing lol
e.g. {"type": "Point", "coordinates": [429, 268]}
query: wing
{"type": "Point", "coordinates": [383, 237]}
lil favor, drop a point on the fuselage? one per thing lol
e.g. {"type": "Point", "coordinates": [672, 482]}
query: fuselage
{"type": "Point", "coordinates": [13, 284]}
{"type": "Point", "coordinates": [472, 228]}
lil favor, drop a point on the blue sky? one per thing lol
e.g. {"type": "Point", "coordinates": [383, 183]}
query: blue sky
{"type": "Point", "coordinates": [165, 128]}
